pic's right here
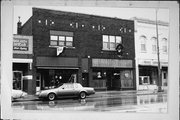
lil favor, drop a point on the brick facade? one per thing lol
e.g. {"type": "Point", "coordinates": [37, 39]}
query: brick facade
{"type": "Point", "coordinates": [88, 31]}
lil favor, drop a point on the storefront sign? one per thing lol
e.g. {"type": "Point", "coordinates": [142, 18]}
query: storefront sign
{"type": "Point", "coordinates": [112, 63]}
{"type": "Point", "coordinates": [152, 63]}
{"type": "Point", "coordinates": [22, 44]}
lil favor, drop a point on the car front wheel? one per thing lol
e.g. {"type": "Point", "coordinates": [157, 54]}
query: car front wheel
{"type": "Point", "coordinates": [51, 96]}
{"type": "Point", "coordinates": [82, 95]}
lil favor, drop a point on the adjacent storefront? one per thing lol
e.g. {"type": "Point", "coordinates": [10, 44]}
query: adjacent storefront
{"type": "Point", "coordinates": [148, 74]}
{"type": "Point", "coordinates": [22, 62]}
{"type": "Point", "coordinates": [112, 74]}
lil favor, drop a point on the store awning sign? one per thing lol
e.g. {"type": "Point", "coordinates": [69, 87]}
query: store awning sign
{"type": "Point", "coordinates": [59, 50]}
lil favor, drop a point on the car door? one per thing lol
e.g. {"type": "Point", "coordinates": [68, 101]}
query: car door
{"type": "Point", "coordinates": [66, 90]}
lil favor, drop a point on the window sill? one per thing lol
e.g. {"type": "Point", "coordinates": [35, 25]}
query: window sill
{"type": "Point", "coordinates": [108, 50]}
{"type": "Point", "coordinates": [61, 46]}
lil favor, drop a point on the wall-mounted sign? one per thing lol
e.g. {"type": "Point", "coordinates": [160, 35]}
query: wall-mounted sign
{"type": "Point", "coordinates": [22, 44]}
{"type": "Point", "coordinates": [152, 63]}
{"type": "Point", "coordinates": [112, 63]}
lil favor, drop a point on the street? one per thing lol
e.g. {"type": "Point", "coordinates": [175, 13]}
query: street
{"type": "Point", "coordinates": [110, 101]}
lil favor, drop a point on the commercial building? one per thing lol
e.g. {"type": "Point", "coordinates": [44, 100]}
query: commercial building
{"type": "Point", "coordinates": [22, 62]}
{"type": "Point", "coordinates": [73, 47]}
{"type": "Point", "coordinates": [146, 53]}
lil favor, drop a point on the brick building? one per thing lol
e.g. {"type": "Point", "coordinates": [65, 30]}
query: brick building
{"type": "Point", "coordinates": [73, 47]}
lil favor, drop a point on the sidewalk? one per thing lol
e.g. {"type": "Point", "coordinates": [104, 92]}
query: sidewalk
{"type": "Point", "coordinates": [103, 93]}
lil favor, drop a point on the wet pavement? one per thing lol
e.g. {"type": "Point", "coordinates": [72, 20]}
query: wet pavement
{"type": "Point", "coordinates": [110, 101]}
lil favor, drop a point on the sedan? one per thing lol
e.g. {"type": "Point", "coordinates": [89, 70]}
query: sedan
{"type": "Point", "coordinates": [18, 94]}
{"type": "Point", "coordinates": [66, 90]}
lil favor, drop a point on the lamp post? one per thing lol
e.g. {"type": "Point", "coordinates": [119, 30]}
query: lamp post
{"type": "Point", "coordinates": [158, 57]}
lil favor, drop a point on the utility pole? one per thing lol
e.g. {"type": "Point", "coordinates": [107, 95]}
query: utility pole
{"type": "Point", "coordinates": [159, 83]}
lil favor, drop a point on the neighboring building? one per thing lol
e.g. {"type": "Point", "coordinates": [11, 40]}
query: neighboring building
{"type": "Point", "coordinates": [22, 62]}
{"type": "Point", "coordinates": [72, 47]}
{"type": "Point", "coordinates": [146, 53]}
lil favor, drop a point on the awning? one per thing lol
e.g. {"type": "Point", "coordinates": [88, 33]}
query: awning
{"type": "Point", "coordinates": [57, 68]}
{"type": "Point", "coordinates": [56, 62]}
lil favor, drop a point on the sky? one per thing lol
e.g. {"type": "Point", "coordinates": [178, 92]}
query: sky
{"type": "Point", "coordinates": [25, 12]}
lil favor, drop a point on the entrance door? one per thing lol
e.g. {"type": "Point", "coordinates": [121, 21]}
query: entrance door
{"type": "Point", "coordinates": [85, 79]}
{"type": "Point", "coordinates": [38, 82]}
{"type": "Point", "coordinates": [164, 78]}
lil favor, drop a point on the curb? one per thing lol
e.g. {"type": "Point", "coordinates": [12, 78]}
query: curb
{"type": "Point", "coordinates": [34, 97]}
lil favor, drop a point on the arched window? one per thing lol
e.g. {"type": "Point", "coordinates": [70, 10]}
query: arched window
{"type": "Point", "coordinates": [143, 41]}
{"type": "Point", "coordinates": [154, 44]}
{"type": "Point", "coordinates": [164, 45]}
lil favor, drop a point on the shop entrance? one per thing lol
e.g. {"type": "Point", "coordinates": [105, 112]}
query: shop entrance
{"type": "Point", "coordinates": [113, 80]}
{"type": "Point", "coordinates": [51, 78]}
{"type": "Point", "coordinates": [85, 79]}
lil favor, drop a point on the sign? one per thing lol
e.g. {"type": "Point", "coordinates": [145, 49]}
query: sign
{"type": "Point", "coordinates": [112, 63]}
{"type": "Point", "coordinates": [59, 50]}
{"type": "Point", "coordinates": [20, 44]}
{"type": "Point", "coordinates": [152, 63]}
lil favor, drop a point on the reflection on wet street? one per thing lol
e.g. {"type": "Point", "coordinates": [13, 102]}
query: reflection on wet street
{"type": "Point", "coordinates": [113, 102]}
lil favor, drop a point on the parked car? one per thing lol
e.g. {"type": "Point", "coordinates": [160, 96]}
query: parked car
{"type": "Point", "coordinates": [17, 94]}
{"type": "Point", "coordinates": [66, 90]}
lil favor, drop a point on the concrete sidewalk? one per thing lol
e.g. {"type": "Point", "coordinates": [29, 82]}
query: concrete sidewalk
{"type": "Point", "coordinates": [103, 93]}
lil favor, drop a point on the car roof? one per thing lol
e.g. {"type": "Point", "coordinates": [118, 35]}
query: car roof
{"type": "Point", "coordinates": [71, 83]}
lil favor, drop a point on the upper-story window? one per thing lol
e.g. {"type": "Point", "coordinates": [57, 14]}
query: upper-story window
{"type": "Point", "coordinates": [143, 41]}
{"type": "Point", "coordinates": [110, 42]}
{"type": "Point", "coordinates": [154, 44]}
{"type": "Point", "coordinates": [164, 45]}
{"type": "Point", "coordinates": [61, 38]}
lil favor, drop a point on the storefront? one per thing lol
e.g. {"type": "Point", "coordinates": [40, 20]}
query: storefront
{"type": "Point", "coordinates": [52, 71]}
{"type": "Point", "coordinates": [22, 62]}
{"type": "Point", "coordinates": [148, 74]}
{"type": "Point", "coordinates": [112, 74]}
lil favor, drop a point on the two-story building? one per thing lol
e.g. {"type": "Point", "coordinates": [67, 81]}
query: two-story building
{"type": "Point", "coordinates": [22, 62]}
{"type": "Point", "coordinates": [146, 53]}
{"type": "Point", "coordinates": [73, 47]}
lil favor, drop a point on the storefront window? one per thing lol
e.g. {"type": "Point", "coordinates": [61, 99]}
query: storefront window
{"type": "Point", "coordinates": [17, 80]}
{"type": "Point", "coordinates": [126, 79]}
{"type": "Point", "coordinates": [101, 74]}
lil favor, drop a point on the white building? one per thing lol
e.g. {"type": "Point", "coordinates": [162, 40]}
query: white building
{"type": "Point", "coordinates": [146, 53]}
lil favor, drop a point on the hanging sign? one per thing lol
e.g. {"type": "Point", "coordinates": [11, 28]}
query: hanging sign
{"type": "Point", "coordinates": [59, 50]}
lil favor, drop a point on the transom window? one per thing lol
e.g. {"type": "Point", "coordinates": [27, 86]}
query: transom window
{"type": "Point", "coordinates": [61, 38]}
{"type": "Point", "coordinates": [110, 42]}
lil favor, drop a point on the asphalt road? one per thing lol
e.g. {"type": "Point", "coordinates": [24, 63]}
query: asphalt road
{"type": "Point", "coordinates": [113, 101]}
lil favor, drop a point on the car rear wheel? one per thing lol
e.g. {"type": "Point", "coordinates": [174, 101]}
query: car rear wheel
{"type": "Point", "coordinates": [51, 96]}
{"type": "Point", "coordinates": [82, 95]}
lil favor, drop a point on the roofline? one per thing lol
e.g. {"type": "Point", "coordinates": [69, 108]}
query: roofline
{"type": "Point", "coordinates": [148, 21]}
{"type": "Point", "coordinates": [59, 12]}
